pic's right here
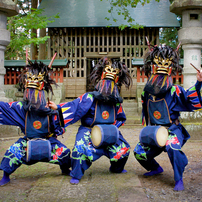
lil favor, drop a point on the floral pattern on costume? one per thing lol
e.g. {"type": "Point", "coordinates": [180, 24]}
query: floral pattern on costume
{"type": "Point", "coordinates": [84, 148]}
{"type": "Point", "coordinates": [119, 151]}
{"type": "Point", "coordinates": [140, 151]}
{"type": "Point", "coordinates": [56, 154]}
{"type": "Point", "coordinates": [173, 142]}
{"type": "Point", "coordinates": [17, 151]}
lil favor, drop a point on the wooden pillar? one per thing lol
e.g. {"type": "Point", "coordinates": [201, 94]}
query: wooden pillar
{"type": "Point", "coordinates": [34, 31]}
{"type": "Point", "coordinates": [138, 74]}
{"type": "Point", "coordinates": [61, 75]}
{"type": "Point", "coordinates": [42, 47]}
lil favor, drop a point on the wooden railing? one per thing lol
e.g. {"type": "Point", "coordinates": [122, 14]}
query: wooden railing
{"type": "Point", "coordinates": [141, 76]}
{"type": "Point", "coordinates": [11, 76]}
{"type": "Point", "coordinates": [177, 79]}
{"type": "Point", "coordinates": [57, 74]}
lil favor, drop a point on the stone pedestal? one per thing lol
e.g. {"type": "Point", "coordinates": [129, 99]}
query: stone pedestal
{"type": "Point", "coordinates": [7, 8]}
{"type": "Point", "coordinates": [190, 36]}
{"type": "Point", "coordinates": [192, 54]}
{"type": "Point", "coordinates": [4, 41]}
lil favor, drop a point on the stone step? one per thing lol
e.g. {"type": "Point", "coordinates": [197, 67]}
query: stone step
{"type": "Point", "coordinates": [130, 110]}
{"type": "Point", "coordinates": [132, 120]}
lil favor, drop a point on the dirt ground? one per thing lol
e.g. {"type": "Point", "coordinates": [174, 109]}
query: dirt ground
{"type": "Point", "coordinates": [156, 188]}
{"type": "Point", "coordinates": [160, 187]}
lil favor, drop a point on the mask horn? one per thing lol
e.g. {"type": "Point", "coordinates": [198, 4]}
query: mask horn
{"type": "Point", "coordinates": [51, 62]}
{"type": "Point", "coordinates": [147, 42]}
{"type": "Point", "coordinates": [178, 46]}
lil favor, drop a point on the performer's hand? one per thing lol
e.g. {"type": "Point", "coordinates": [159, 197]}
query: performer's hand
{"type": "Point", "coordinates": [52, 105]}
{"type": "Point", "coordinates": [199, 76]}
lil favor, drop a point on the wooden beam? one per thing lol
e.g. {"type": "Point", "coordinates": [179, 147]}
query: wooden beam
{"type": "Point", "coordinates": [102, 54]}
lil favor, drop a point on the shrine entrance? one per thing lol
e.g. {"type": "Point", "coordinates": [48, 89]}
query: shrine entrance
{"type": "Point", "coordinates": [83, 47]}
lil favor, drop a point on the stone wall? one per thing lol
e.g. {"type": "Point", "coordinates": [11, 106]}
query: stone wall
{"type": "Point", "coordinates": [13, 94]}
{"type": "Point", "coordinates": [191, 117]}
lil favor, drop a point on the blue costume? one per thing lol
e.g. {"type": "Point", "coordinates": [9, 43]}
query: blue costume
{"type": "Point", "coordinates": [102, 106]}
{"type": "Point", "coordinates": [36, 121]}
{"type": "Point", "coordinates": [85, 108]}
{"type": "Point", "coordinates": [162, 103]}
{"type": "Point", "coordinates": [169, 106]}
{"type": "Point", "coordinates": [14, 114]}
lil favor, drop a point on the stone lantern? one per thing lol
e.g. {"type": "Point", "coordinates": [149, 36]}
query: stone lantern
{"type": "Point", "coordinates": [7, 9]}
{"type": "Point", "coordinates": [190, 36]}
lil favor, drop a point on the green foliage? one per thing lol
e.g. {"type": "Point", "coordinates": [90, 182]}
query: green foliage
{"type": "Point", "coordinates": [120, 7]}
{"type": "Point", "coordinates": [169, 36]}
{"type": "Point", "coordinates": [20, 30]}
{"type": "Point", "coordinates": [24, 6]}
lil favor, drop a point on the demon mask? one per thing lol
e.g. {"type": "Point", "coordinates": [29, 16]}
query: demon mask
{"type": "Point", "coordinates": [160, 63]}
{"type": "Point", "coordinates": [34, 80]}
{"type": "Point", "coordinates": [108, 77]}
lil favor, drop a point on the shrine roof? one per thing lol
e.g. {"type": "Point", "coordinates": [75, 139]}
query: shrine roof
{"type": "Point", "coordinates": [92, 13]}
{"type": "Point", "coordinates": [22, 63]}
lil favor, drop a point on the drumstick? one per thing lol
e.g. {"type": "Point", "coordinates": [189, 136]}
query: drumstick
{"type": "Point", "coordinates": [48, 101]}
{"type": "Point", "coordinates": [195, 68]}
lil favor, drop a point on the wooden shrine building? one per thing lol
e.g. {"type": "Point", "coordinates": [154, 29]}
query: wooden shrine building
{"type": "Point", "coordinates": [81, 37]}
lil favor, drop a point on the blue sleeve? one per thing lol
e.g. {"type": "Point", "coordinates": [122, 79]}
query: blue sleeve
{"type": "Point", "coordinates": [121, 117]}
{"type": "Point", "coordinates": [75, 110]}
{"type": "Point", "coordinates": [12, 113]}
{"type": "Point", "coordinates": [187, 100]}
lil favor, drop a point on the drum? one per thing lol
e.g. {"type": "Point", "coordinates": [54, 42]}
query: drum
{"type": "Point", "coordinates": [154, 136]}
{"type": "Point", "coordinates": [104, 135]}
{"type": "Point", "coordinates": [38, 150]}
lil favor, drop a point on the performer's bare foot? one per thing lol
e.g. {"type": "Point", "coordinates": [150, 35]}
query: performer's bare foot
{"type": "Point", "coordinates": [5, 179]}
{"type": "Point", "coordinates": [154, 172]}
{"type": "Point", "coordinates": [179, 185]}
{"type": "Point", "coordinates": [74, 181]}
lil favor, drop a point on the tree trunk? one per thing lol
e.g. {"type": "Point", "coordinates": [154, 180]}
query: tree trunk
{"type": "Point", "coordinates": [42, 47]}
{"type": "Point", "coordinates": [34, 31]}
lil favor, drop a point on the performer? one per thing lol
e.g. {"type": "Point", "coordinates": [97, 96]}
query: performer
{"type": "Point", "coordinates": [102, 106]}
{"type": "Point", "coordinates": [35, 121]}
{"type": "Point", "coordinates": [162, 103]}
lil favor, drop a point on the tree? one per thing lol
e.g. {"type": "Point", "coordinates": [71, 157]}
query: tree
{"type": "Point", "coordinates": [33, 51]}
{"type": "Point", "coordinates": [121, 7]}
{"type": "Point", "coordinates": [168, 36]}
{"type": "Point", "coordinates": [20, 27]}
